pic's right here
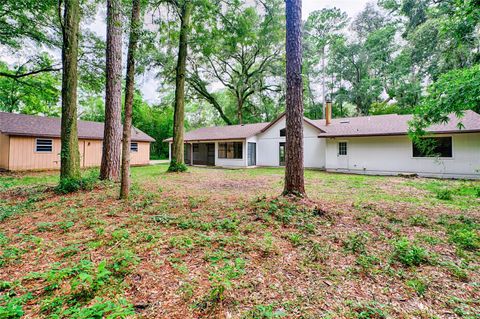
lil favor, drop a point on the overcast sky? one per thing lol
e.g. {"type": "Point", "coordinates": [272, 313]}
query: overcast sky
{"type": "Point", "coordinates": [351, 7]}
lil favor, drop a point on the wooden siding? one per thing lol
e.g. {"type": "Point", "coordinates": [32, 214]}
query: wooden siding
{"type": "Point", "coordinates": [4, 151]}
{"type": "Point", "coordinates": [22, 155]}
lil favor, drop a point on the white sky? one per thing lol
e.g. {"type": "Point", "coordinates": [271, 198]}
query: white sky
{"type": "Point", "coordinates": [351, 7]}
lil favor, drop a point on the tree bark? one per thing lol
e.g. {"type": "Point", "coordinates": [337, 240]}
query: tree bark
{"type": "Point", "coordinates": [135, 28]}
{"type": "Point", "coordinates": [179, 113]}
{"type": "Point", "coordinates": [70, 155]}
{"type": "Point", "coordinates": [294, 178]}
{"type": "Point", "coordinates": [112, 140]}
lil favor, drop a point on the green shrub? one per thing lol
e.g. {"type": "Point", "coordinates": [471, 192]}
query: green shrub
{"type": "Point", "coordinates": [367, 262]}
{"type": "Point", "coordinates": [444, 194]}
{"type": "Point", "coordinates": [264, 312]}
{"type": "Point", "coordinates": [465, 238]}
{"type": "Point", "coordinates": [369, 310]}
{"type": "Point", "coordinates": [477, 190]}
{"type": "Point", "coordinates": [418, 220]}
{"type": "Point", "coordinates": [176, 167]}
{"type": "Point", "coordinates": [356, 242]}
{"type": "Point", "coordinates": [409, 254]}
{"type": "Point", "coordinates": [295, 239]}
{"type": "Point", "coordinates": [70, 185]}
{"type": "Point", "coordinates": [101, 309]}
{"type": "Point", "coordinates": [418, 285]}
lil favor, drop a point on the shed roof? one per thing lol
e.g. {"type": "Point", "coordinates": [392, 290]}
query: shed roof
{"type": "Point", "coordinates": [394, 124]}
{"type": "Point", "coordinates": [39, 126]}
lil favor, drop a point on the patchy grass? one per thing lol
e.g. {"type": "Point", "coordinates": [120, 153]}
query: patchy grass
{"type": "Point", "coordinates": [213, 243]}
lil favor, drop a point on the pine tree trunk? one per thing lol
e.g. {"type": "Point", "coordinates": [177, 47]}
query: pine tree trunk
{"type": "Point", "coordinates": [294, 179]}
{"type": "Point", "coordinates": [135, 27]}
{"type": "Point", "coordinates": [179, 113]}
{"type": "Point", "coordinates": [112, 140]}
{"type": "Point", "coordinates": [70, 155]}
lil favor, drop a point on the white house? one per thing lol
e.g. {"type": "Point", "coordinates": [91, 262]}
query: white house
{"type": "Point", "coordinates": [367, 145]}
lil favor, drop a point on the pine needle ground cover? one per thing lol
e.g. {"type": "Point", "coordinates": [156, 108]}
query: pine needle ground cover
{"type": "Point", "coordinates": [214, 243]}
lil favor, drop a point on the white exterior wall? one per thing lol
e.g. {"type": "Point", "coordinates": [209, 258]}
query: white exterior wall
{"type": "Point", "coordinates": [229, 162]}
{"type": "Point", "coordinates": [393, 155]}
{"type": "Point", "coordinates": [269, 141]}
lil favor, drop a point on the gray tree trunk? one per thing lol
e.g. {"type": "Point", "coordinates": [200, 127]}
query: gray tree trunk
{"type": "Point", "coordinates": [179, 113]}
{"type": "Point", "coordinates": [294, 179]}
{"type": "Point", "coordinates": [112, 140]}
{"type": "Point", "coordinates": [70, 155]}
{"type": "Point", "coordinates": [135, 28]}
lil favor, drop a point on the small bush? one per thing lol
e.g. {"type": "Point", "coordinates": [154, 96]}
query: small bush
{"type": "Point", "coordinates": [367, 262]}
{"type": "Point", "coordinates": [264, 312]}
{"type": "Point", "coordinates": [419, 286]}
{"type": "Point", "coordinates": [409, 254]}
{"type": "Point", "coordinates": [477, 191]}
{"type": "Point", "coordinates": [444, 194]}
{"type": "Point", "coordinates": [176, 167]}
{"type": "Point", "coordinates": [465, 238]}
{"type": "Point", "coordinates": [418, 220]}
{"type": "Point", "coordinates": [295, 239]}
{"type": "Point", "coordinates": [356, 242]}
{"type": "Point", "coordinates": [71, 185]}
{"type": "Point", "coordinates": [370, 310]}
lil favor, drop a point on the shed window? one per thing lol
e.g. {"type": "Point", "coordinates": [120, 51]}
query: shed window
{"type": "Point", "coordinates": [231, 150]}
{"type": "Point", "coordinates": [43, 145]}
{"type": "Point", "coordinates": [283, 132]}
{"type": "Point", "coordinates": [133, 147]}
{"type": "Point", "coordinates": [433, 147]}
{"type": "Point", "coordinates": [342, 148]}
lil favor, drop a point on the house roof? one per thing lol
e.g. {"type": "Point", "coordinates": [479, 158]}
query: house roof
{"type": "Point", "coordinates": [376, 125]}
{"type": "Point", "coordinates": [39, 126]}
{"type": "Point", "coordinates": [233, 132]}
{"type": "Point", "coordinates": [394, 124]}
{"type": "Point", "coordinates": [230, 132]}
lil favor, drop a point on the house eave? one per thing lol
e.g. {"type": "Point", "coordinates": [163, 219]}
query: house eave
{"type": "Point", "coordinates": [395, 134]}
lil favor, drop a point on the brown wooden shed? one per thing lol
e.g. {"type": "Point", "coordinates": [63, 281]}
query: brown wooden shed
{"type": "Point", "coordinates": [30, 142]}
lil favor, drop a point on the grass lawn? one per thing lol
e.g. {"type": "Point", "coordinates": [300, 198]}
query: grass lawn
{"type": "Point", "coordinates": [214, 243]}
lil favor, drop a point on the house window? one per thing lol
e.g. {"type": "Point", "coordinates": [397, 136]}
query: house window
{"type": "Point", "coordinates": [433, 147]}
{"type": "Point", "coordinates": [43, 145]}
{"type": "Point", "coordinates": [133, 147]}
{"type": "Point", "coordinates": [342, 148]}
{"type": "Point", "coordinates": [281, 153]}
{"type": "Point", "coordinates": [231, 150]}
{"type": "Point", "coordinates": [283, 132]}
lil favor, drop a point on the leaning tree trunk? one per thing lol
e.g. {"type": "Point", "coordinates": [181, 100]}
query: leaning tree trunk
{"type": "Point", "coordinates": [135, 27]}
{"type": "Point", "coordinates": [112, 139]}
{"type": "Point", "coordinates": [179, 114]}
{"type": "Point", "coordinates": [70, 155]}
{"type": "Point", "coordinates": [294, 179]}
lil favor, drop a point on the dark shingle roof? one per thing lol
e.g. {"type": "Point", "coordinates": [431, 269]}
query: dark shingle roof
{"type": "Point", "coordinates": [376, 125]}
{"type": "Point", "coordinates": [39, 126]}
{"type": "Point", "coordinates": [230, 132]}
{"type": "Point", "coordinates": [393, 124]}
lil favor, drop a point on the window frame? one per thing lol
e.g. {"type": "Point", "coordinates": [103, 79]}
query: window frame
{"type": "Point", "coordinates": [434, 157]}
{"type": "Point", "coordinates": [283, 132]}
{"type": "Point", "coordinates": [43, 139]}
{"type": "Point", "coordinates": [339, 148]}
{"type": "Point", "coordinates": [133, 150]}
{"type": "Point", "coordinates": [226, 148]}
